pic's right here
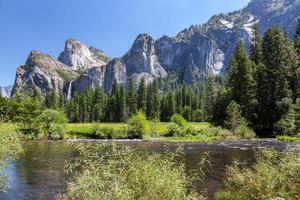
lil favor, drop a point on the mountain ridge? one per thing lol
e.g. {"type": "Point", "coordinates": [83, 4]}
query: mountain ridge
{"type": "Point", "coordinates": [193, 53]}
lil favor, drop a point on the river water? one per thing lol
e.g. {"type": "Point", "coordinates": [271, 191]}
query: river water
{"type": "Point", "coordinates": [39, 175]}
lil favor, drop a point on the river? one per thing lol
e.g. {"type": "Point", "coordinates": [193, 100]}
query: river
{"type": "Point", "coordinates": [39, 175]}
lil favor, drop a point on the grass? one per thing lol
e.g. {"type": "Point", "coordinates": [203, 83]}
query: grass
{"type": "Point", "coordinates": [286, 138]}
{"type": "Point", "coordinates": [158, 132]}
{"type": "Point", "coordinates": [204, 132]}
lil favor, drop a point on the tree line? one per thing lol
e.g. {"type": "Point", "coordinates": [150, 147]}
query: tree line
{"type": "Point", "coordinates": [262, 88]}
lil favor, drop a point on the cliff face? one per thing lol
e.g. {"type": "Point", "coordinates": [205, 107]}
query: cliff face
{"type": "Point", "coordinates": [80, 57]}
{"type": "Point", "coordinates": [193, 53]}
{"type": "Point", "coordinates": [43, 73]}
{"type": "Point", "coordinates": [201, 50]}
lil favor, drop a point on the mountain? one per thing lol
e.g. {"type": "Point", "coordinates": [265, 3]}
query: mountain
{"type": "Point", "coordinates": [193, 53]}
{"type": "Point", "coordinates": [43, 73]}
{"type": "Point", "coordinates": [201, 50]}
{"type": "Point", "coordinates": [6, 91]}
{"type": "Point", "coordinates": [80, 57]}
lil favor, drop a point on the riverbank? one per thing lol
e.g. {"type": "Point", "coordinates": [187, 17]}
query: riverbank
{"type": "Point", "coordinates": [159, 131]}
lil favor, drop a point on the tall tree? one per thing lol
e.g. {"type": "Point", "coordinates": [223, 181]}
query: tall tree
{"type": "Point", "coordinates": [297, 38]}
{"type": "Point", "coordinates": [256, 54]}
{"type": "Point", "coordinates": [241, 81]}
{"type": "Point", "coordinates": [131, 98]}
{"type": "Point", "coordinates": [122, 104]}
{"type": "Point", "coordinates": [278, 58]}
{"type": "Point", "coordinates": [113, 107]}
{"type": "Point", "coordinates": [142, 96]}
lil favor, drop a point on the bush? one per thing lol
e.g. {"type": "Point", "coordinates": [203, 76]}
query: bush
{"type": "Point", "coordinates": [175, 131]}
{"type": "Point", "coordinates": [108, 171]}
{"type": "Point", "coordinates": [138, 126]}
{"type": "Point", "coordinates": [52, 123]}
{"type": "Point", "coordinates": [108, 133]}
{"type": "Point", "coordinates": [219, 132]}
{"type": "Point", "coordinates": [179, 120]}
{"type": "Point", "coordinates": [276, 175]}
{"type": "Point", "coordinates": [10, 148]}
{"type": "Point", "coordinates": [244, 132]}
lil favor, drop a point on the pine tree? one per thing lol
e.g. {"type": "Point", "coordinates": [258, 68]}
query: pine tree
{"type": "Point", "coordinates": [256, 54]}
{"type": "Point", "coordinates": [131, 98]}
{"type": "Point", "coordinates": [297, 117]}
{"type": "Point", "coordinates": [156, 100]}
{"type": "Point", "coordinates": [297, 38]}
{"type": "Point", "coordinates": [211, 96]}
{"type": "Point", "coordinates": [142, 96]}
{"type": "Point", "coordinates": [171, 105]}
{"type": "Point", "coordinates": [122, 104]}
{"type": "Point", "coordinates": [241, 81]}
{"type": "Point", "coordinates": [234, 117]}
{"type": "Point", "coordinates": [278, 58]}
{"type": "Point", "coordinates": [113, 109]}
{"type": "Point", "coordinates": [296, 69]}
{"type": "Point", "coordinates": [99, 105]}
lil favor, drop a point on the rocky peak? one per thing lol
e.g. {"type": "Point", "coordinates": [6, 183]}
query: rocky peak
{"type": "Point", "coordinates": [141, 58]}
{"type": "Point", "coordinates": [43, 73]}
{"type": "Point", "coordinates": [80, 57]}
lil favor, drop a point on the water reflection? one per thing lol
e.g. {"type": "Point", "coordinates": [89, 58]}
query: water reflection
{"type": "Point", "coordinates": [38, 175]}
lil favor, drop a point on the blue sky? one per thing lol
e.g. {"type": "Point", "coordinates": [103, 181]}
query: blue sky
{"type": "Point", "coordinates": [110, 25]}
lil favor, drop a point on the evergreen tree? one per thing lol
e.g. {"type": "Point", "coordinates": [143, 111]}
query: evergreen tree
{"type": "Point", "coordinates": [256, 54]}
{"type": "Point", "coordinates": [211, 97]}
{"type": "Point", "coordinates": [241, 81]}
{"type": "Point", "coordinates": [278, 60]}
{"type": "Point", "coordinates": [99, 104]}
{"type": "Point", "coordinates": [171, 105]}
{"type": "Point", "coordinates": [131, 98]}
{"type": "Point", "coordinates": [142, 96]}
{"type": "Point", "coordinates": [234, 117]}
{"type": "Point", "coordinates": [113, 107]}
{"type": "Point", "coordinates": [297, 117]}
{"type": "Point", "coordinates": [297, 38]}
{"type": "Point", "coordinates": [122, 104]}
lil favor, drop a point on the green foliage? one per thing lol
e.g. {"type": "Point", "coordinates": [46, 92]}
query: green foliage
{"type": "Point", "coordinates": [114, 172]}
{"type": "Point", "coordinates": [244, 132]}
{"type": "Point", "coordinates": [241, 81]}
{"type": "Point", "coordinates": [138, 126]}
{"type": "Point", "coordinates": [234, 117]}
{"type": "Point", "coordinates": [288, 138]}
{"type": "Point", "coordinates": [230, 196]}
{"type": "Point", "coordinates": [274, 175]}
{"type": "Point", "coordinates": [52, 123]}
{"type": "Point", "coordinates": [10, 148]}
{"type": "Point", "coordinates": [179, 120]}
{"type": "Point", "coordinates": [142, 96]}
{"type": "Point", "coordinates": [286, 125]}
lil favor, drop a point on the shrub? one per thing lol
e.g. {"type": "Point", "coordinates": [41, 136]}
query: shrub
{"type": "Point", "coordinates": [52, 123]}
{"type": "Point", "coordinates": [108, 132]}
{"type": "Point", "coordinates": [179, 120]}
{"type": "Point", "coordinates": [10, 148]}
{"type": "Point", "coordinates": [244, 132]}
{"type": "Point", "coordinates": [108, 171]}
{"type": "Point", "coordinates": [138, 126]}
{"type": "Point", "coordinates": [276, 175]}
{"type": "Point", "coordinates": [175, 131]}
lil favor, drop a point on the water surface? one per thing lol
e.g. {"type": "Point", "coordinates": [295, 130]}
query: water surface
{"type": "Point", "coordinates": [39, 175]}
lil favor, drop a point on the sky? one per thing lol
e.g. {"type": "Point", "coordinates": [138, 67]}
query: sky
{"type": "Point", "coordinates": [110, 25]}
